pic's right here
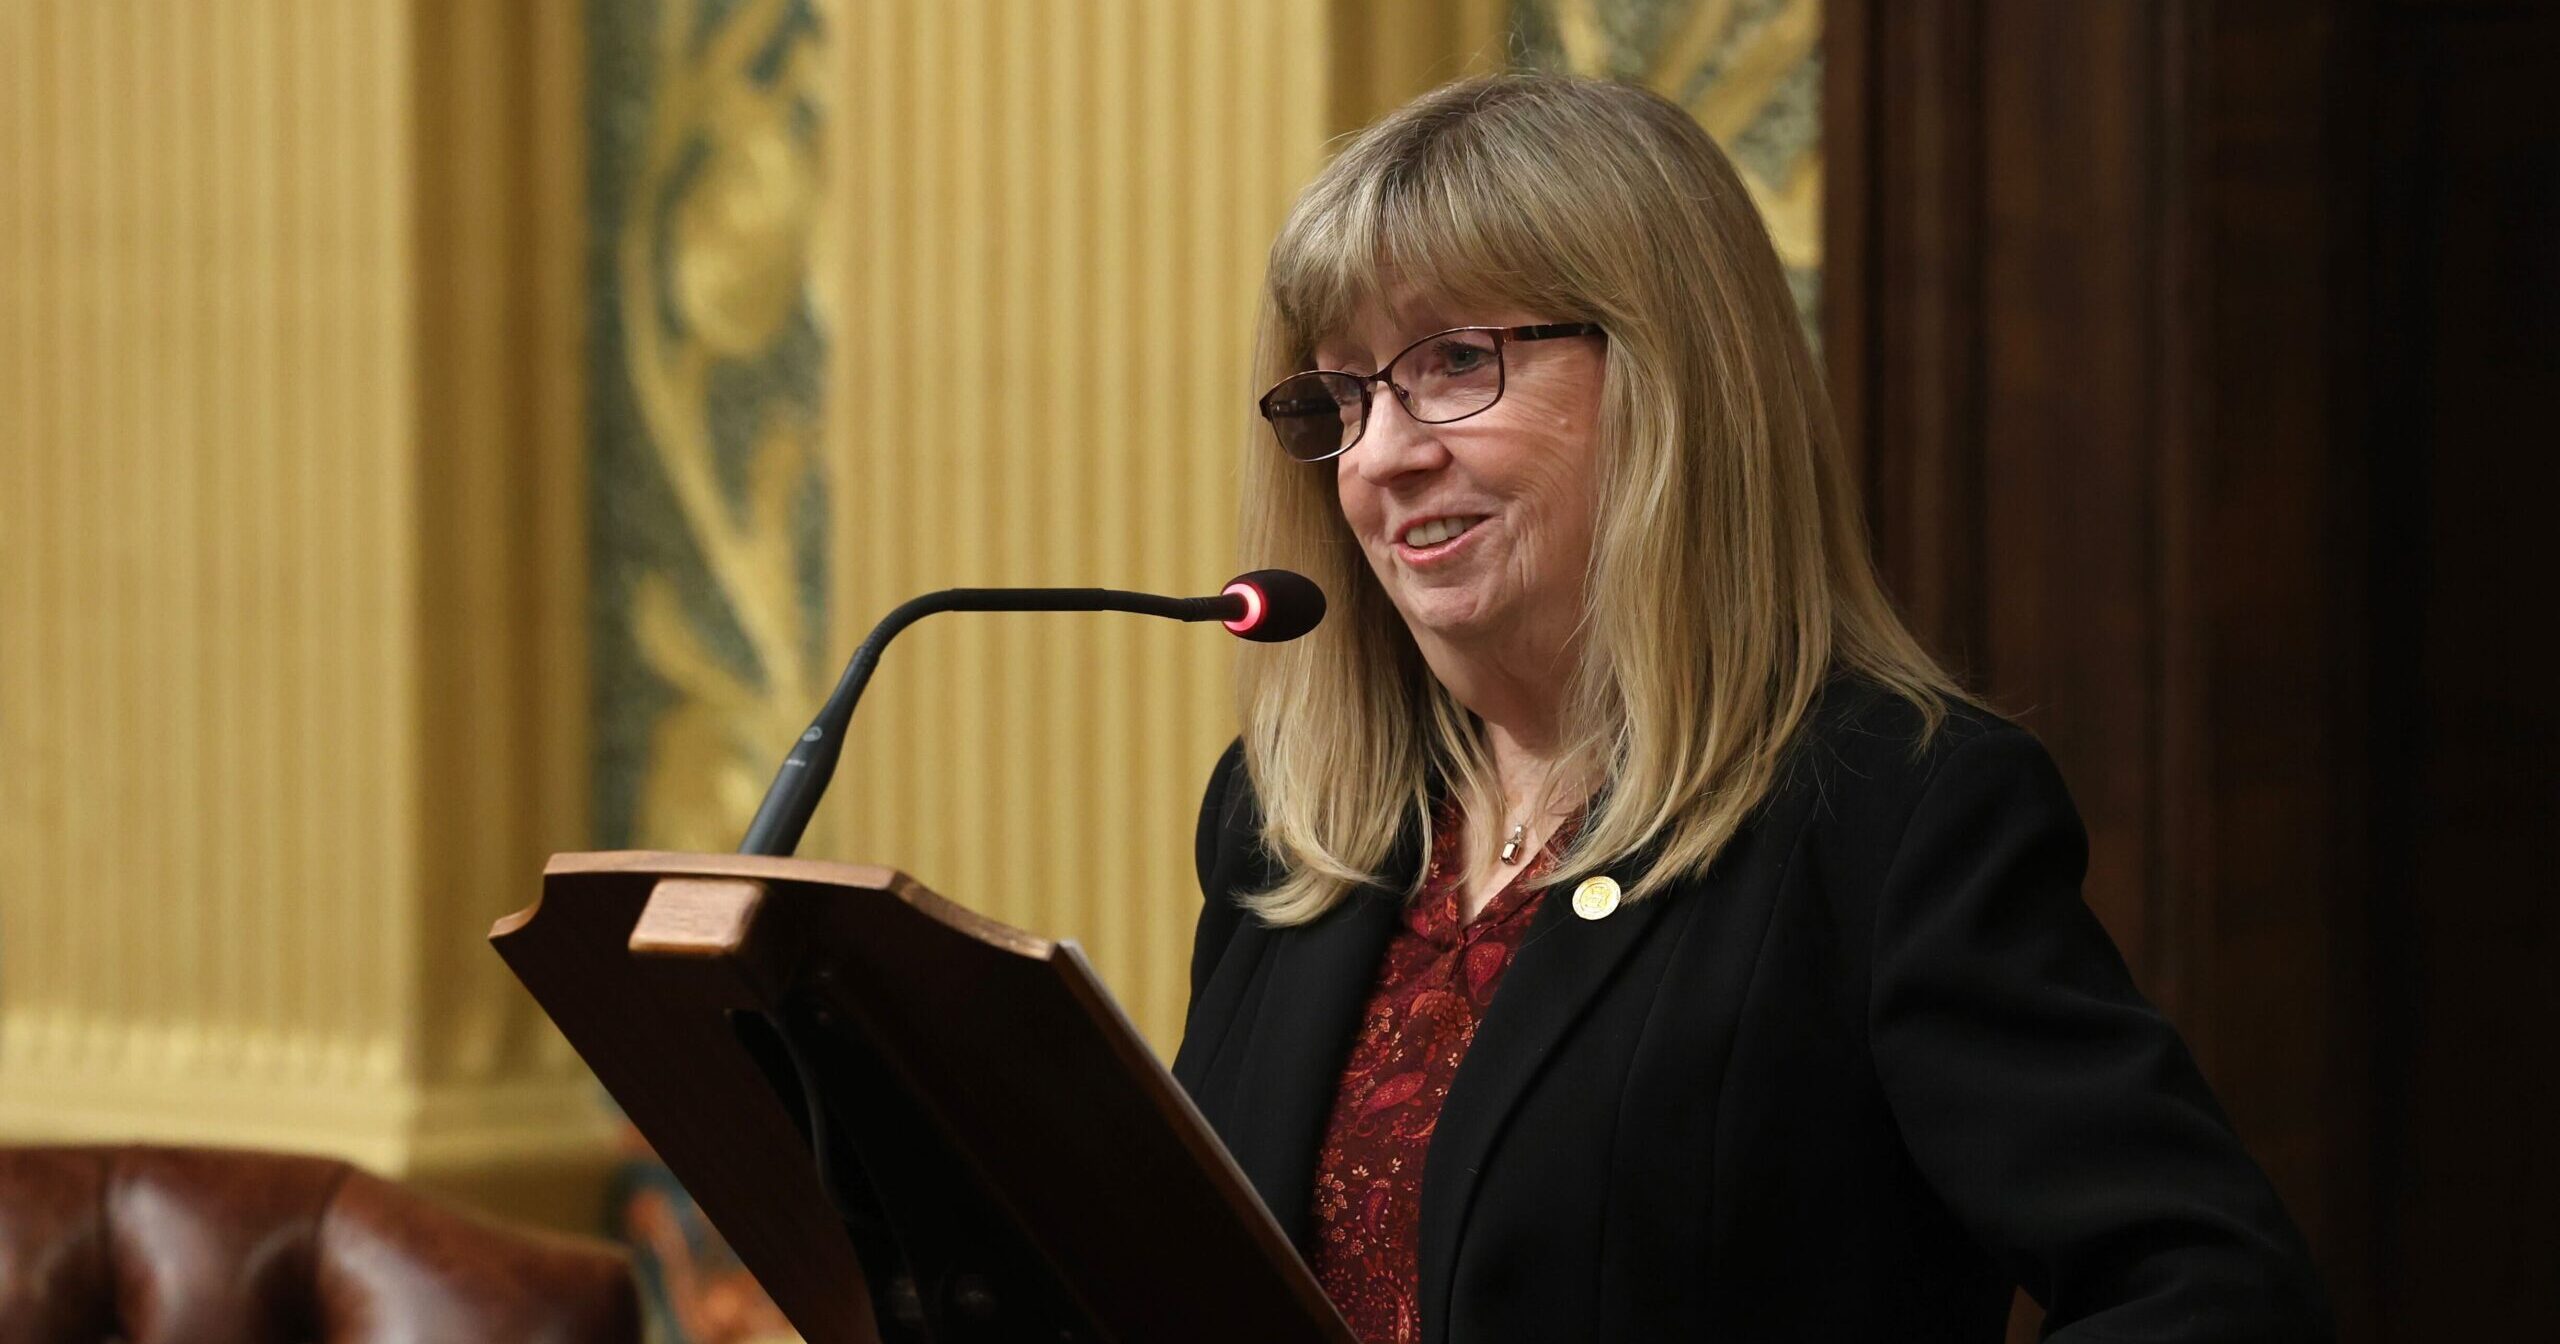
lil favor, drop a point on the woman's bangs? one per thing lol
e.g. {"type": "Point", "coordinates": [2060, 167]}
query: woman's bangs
{"type": "Point", "coordinates": [1324, 269]}
{"type": "Point", "coordinates": [1419, 238]}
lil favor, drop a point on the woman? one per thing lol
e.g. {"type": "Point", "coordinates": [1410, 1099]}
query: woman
{"type": "Point", "coordinates": [1616, 926]}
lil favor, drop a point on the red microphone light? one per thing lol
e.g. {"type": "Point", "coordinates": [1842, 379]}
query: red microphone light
{"type": "Point", "coordinates": [1254, 606]}
{"type": "Point", "coordinates": [1279, 605]}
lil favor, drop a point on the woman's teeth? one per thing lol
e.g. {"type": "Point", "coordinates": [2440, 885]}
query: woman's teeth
{"type": "Point", "coordinates": [1436, 531]}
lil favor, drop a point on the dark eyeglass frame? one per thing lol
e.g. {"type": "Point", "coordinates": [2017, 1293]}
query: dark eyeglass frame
{"type": "Point", "coordinates": [1502, 336]}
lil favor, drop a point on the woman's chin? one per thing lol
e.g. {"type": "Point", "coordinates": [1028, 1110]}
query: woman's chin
{"type": "Point", "coordinates": [1451, 614]}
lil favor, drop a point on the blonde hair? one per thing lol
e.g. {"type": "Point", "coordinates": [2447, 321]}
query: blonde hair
{"type": "Point", "coordinates": [1729, 570]}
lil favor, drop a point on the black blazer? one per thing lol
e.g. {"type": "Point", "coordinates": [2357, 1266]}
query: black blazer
{"type": "Point", "coordinates": [1879, 1064]}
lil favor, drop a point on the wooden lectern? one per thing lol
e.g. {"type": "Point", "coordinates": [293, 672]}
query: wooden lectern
{"type": "Point", "coordinates": [912, 1123]}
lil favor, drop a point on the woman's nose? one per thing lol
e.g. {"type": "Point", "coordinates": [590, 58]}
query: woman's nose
{"type": "Point", "coordinates": [1394, 443]}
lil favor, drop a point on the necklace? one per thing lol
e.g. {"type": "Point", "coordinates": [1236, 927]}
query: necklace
{"type": "Point", "coordinates": [1511, 847]}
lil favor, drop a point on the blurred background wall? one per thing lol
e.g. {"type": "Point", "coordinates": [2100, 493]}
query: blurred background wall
{"type": "Point", "coordinates": [292, 685]}
{"type": "Point", "coordinates": [434, 433]}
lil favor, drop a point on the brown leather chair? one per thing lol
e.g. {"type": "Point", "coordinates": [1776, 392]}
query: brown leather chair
{"type": "Point", "coordinates": [207, 1246]}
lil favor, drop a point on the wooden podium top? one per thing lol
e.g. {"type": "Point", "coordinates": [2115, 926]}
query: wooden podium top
{"type": "Point", "coordinates": [1017, 1080]}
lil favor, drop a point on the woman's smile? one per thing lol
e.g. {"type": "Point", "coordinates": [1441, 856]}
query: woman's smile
{"type": "Point", "coordinates": [1436, 541]}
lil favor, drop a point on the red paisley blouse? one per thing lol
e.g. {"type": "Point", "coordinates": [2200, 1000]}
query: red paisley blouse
{"type": "Point", "coordinates": [1433, 986]}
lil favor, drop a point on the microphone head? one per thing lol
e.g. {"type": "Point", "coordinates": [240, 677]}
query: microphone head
{"type": "Point", "coordinates": [1279, 605]}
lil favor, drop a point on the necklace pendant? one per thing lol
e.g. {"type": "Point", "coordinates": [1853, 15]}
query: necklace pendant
{"type": "Point", "coordinates": [1511, 847]}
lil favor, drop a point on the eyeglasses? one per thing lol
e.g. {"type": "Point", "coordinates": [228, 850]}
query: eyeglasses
{"type": "Point", "coordinates": [1445, 376]}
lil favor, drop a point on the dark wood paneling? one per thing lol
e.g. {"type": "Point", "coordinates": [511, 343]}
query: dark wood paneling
{"type": "Point", "coordinates": [2198, 359]}
{"type": "Point", "coordinates": [2067, 505]}
{"type": "Point", "coordinates": [1908, 223]}
{"type": "Point", "coordinates": [2466, 458]}
{"type": "Point", "coordinates": [2267, 648]}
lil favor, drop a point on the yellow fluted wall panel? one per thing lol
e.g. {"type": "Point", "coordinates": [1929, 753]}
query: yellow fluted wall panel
{"type": "Point", "coordinates": [1049, 227]}
{"type": "Point", "coordinates": [207, 606]}
{"type": "Point", "coordinates": [289, 673]}
{"type": "Point", "coordinates": [1385, 55]}
{"type": "Point", "coordinates": [500, 255]}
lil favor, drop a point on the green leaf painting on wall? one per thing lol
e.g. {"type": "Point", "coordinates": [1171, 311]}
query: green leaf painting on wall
{"type": "Point", "coordinates": [1750, 71]}
{"type": "Point", "coordinates": [708, 345]}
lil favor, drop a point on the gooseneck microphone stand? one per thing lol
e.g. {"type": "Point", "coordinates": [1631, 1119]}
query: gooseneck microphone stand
{"type": "Point", "coordinates": [1268, 606]}
{"type": "Point", "coordinates": [939, 1271]}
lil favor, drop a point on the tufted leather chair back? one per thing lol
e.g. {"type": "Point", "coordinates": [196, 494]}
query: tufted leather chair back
{"type": "Point", "coordinates": [207, 1246]}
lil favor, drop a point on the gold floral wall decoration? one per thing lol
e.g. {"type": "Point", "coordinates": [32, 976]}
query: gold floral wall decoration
{"type": "Point", "coordinates": [1750, 71]}
{"type": "Point", "coordinates": [711, 540]}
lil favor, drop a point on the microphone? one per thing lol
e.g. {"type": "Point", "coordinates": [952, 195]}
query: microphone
{"type": "Point", "coordinates": [1279, 605]}
{"type": "Point", "coordinates": [1267, 606]}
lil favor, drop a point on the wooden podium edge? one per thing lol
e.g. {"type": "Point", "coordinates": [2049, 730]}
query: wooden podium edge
{"type": "Point", "coordinates": [764, 867]}
{"type": "Point", "coordinates": [1199, 1137]}
{"type": "Point", "coordinates": [534, 937]}
{"type": "Point", "coordinates": [1064, 958]}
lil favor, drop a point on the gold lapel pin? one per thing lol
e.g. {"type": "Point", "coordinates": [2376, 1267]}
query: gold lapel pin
{"type": "Point", "coordinates": [1595, 898]}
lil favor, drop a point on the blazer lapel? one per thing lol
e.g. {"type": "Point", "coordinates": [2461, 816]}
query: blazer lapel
{"type": "Point", "coordinates": [1563, 961]}
{"type": "Point", "coordinates": [1319, 977]}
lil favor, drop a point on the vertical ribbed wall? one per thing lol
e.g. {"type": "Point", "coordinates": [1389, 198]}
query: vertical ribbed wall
{"type": "Point", "coordinates": [291, 601]}
{"type": "Point", "coordinates": [499, 507]}
{"type": "Point", "coordinates": [1382, 56]}
{"type": "Point", "coordinates": [1051, 222]}
{"type": "Point", "coordinates": [205, 563]}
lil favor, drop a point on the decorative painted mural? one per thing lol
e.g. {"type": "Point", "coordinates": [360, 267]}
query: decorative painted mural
{"type": "Point", "coordinates": [1750, 71]}
{"type": "Point", "coordinates": [709, 342]}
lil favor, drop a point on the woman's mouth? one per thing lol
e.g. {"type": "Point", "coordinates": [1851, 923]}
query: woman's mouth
{"type": "Point", "coordinates": [1434, 539]}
